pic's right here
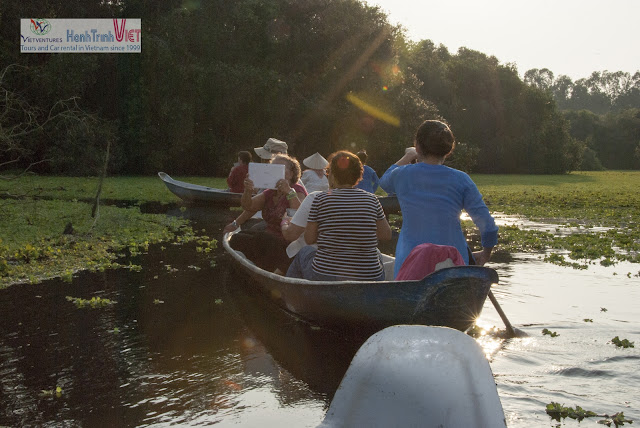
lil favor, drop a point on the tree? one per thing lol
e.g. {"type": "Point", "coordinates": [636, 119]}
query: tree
{"type": "Point", "coordinates": [539, 78]}
{"type": "Point", "coordinates": [31, 135]}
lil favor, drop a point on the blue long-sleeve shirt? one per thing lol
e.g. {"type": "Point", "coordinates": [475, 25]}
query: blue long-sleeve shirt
{"type": "Point", "coordinates": [432, 198]}
{"type": "Point", "coordinates": [369, 180]}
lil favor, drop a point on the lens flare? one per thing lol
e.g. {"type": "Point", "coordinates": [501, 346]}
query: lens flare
{"type": "Point", "coordinates": [373, 111]}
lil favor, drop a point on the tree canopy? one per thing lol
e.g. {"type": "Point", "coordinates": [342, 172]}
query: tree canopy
{"type": "Point", "coordinates": [218, 77]}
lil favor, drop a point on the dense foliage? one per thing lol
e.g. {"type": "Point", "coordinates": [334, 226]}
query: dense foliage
{"type": "Point", "coordinates": [217, 77]}
{"type": "Point", "coordinates": [604, 114]}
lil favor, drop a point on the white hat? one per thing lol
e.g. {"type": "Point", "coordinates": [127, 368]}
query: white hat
{"type": "Point", "coordinates": [271, 148]}
{"type": "Point", "coordinates": [315, 161]}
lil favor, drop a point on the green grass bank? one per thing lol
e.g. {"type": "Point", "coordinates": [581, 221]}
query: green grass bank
{"type": "Point", "coordinates": [36, 209]}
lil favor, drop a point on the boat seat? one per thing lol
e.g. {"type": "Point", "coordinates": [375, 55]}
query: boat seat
{"type": "Point", "coordinates": [388, 263]}
{"type": "Point", "coordinates": [388, 269]}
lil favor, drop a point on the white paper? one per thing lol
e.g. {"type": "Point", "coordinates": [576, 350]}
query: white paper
{"type": "Point", "coordinates": [265, 175]}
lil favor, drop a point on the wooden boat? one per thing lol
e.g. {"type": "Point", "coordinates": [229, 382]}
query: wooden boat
{"type": "Point", "coordinates": [451, 297]}
{"type": "Point", "coordinates": [410, 376]}
{"type": "Point", "coordinates": [196, 194]}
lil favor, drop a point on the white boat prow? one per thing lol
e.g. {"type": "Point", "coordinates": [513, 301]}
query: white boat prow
{"type": "Point", "coordinates": [417, 376]}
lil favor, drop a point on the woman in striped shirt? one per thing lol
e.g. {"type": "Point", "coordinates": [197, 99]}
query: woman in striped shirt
{"type": "Point", "coordinates": [346, 223]}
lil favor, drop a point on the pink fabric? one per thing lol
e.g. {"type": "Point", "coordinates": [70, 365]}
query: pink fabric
{"type": "Point", "coordinates": [422, 260]}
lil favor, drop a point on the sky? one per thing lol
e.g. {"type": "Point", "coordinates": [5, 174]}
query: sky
{"type": "Point", "coordinates": [569, 37]}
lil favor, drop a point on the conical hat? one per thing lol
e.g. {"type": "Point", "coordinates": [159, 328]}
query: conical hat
{"type": "Point", "coordinates": [315, 161]}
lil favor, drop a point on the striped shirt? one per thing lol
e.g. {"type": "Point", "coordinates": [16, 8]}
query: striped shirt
{"type": "Point", "coordinates": [347, 233]}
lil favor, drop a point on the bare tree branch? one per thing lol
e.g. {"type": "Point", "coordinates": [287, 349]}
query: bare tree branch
{"type": "Point", "coordinates": [24, 171]}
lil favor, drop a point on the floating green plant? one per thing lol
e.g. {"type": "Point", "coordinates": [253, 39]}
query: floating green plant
{"type": "Point", "coordinates": [622, 343]}
{"type": "Point", "coordinates": [587, 320]}
{"type": "Point", "coordinates": [617, 419]}
{"type": "Point", "coordinates": [546, 332]}
{"type": "Point", "coordinates": [94, 302]}
{"type": "Point", "coordinates": [52, 392]}
{"type": "Point", "coordinates": [157, 301]}
{"type": "Point", "coordinates": [34, 248]}
{"type": "Point", "coordinates": [218, 301]}
{"type": "Point", "coordinates": [557, 412]}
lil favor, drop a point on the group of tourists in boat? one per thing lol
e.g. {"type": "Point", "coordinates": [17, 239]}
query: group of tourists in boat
{"type": "Point", "coordinates": [325, 224]}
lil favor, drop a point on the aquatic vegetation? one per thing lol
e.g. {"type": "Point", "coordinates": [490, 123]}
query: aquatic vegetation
{"type": "Point", "coordinates": [547, 332]}
{"type": "Point", "coordinates": [158, 301]}
{"type": "Point", "coordinates": [558, 412]}
{"type": "Point", "coordinates": [34, 246]}
{"type": "Point", "coordinates": [603, 309]}
{"type": "Point", "coordinates": [607, 199]}
{"type": "Point", "coordinates": [52, 392]}
{"type": "Point", "coordinates": [622, 343]}
{"type": "Point", "coordinates": [94, 302]}
{"type": "Point", "coordinates": [617, 419]}
{"type": "Point", "coordinates": [587, 320]}
{"type": "Point", "coordinates": [218, 301]}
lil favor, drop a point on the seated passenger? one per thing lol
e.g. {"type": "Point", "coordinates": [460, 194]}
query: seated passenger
{"type": "Point", "coordinates": [346, 223]}
{"type": "Point", "coordinates": [314, 178]}
{"type": "Point", "coordinates": [267, 248]}
{"type": "Point", "coordinates": [239, 172]}
{"type": "Point", "coordinates": [370, 179]}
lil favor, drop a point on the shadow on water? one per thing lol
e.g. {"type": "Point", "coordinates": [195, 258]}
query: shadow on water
{"type": "Point", "coordinates": [316, 356]}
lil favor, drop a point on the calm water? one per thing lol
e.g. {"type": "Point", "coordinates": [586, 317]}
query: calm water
{"type": "Point", "coordinates": [186, 344]}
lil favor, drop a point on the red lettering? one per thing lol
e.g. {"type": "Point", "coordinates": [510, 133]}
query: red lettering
{"type": "Point", "coordinates": [119, 30]}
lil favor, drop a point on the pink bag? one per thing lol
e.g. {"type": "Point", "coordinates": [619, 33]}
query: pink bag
{"type": "Point", "coordinates": [427, 258]}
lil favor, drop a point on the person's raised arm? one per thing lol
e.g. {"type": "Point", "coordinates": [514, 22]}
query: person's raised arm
{"type": "Point", "coordinates": [249, 202]}
{"type": "Point", "coordinates": [409, 156]}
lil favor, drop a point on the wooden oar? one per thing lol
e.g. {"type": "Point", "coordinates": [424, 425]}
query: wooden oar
{"type": "Point", "coordinates": [510, 331]}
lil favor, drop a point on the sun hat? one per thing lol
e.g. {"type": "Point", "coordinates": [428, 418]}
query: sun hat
{"type": "Point", "coordinates": [315, 161]}
{"type": "Point", "coordinates": [271, 148]}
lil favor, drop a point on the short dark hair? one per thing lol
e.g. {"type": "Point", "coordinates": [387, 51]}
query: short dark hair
{"type": "Point", "coordinates": [245, 157]}
{"type": "Point", "coordinates": [435, 138]}
{"type": "Point", "coordinates": [346, 167]}
{"type": "Point", "coordinates": [362, 154]}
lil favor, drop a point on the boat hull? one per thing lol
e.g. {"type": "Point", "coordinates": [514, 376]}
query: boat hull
{"type": "Point", "coordinates": [196, 194]}
{"type": "Point", "coordinates": [451, 297]}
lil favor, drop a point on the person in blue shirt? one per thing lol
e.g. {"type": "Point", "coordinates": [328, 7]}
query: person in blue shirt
{"type": "Point", "coordinates": [370, 179]}
{"type": "Point", "coordinates": [432, 197]}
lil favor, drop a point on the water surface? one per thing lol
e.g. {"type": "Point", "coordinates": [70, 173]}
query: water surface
{"type": "Point", "coordinates": [187, 343]}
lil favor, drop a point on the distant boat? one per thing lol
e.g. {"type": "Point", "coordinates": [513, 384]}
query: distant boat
{"type": "Point", "coordinates": [451, 297]}
{"type": "Point", "coordinates": [417, 376]}
{"type": "Point", "coordinates": [197, 194]}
